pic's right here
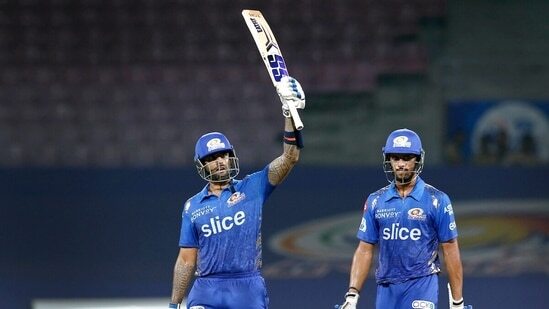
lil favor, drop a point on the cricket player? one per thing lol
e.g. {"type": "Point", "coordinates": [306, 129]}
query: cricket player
{"type": "Point", "coordinates": [220, 236]}
{"type": "Point", "coordinates": [407, 220]}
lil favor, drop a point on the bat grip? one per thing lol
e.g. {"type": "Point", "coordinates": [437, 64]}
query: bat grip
{"type": "Point", "coordinates": [295, 117]}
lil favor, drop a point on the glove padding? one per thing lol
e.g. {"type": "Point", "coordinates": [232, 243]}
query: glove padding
{"type": "Point", "coordinates": [290, 92]}
{"type": "Point", "coordinates": [351, 300]}
{"type": "Point", "coordinates": [456, 304]}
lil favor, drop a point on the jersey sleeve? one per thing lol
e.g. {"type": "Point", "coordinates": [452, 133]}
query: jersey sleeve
{"type": "Point", "coordinates": [368, 230]}
{"type": "Point", "coordinates": [445, 220]}
{"type": "Point", "coordinates": [261, 180]}
{"type": "Point", "coordinates": [188, 237]}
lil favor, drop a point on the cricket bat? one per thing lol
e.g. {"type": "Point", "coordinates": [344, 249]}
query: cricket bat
{"type": "Point", "coordinates": [270, 53]}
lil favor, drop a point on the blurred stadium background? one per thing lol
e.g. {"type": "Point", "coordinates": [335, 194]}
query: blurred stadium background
{"type": "Point", "coordinates": [101, 103]}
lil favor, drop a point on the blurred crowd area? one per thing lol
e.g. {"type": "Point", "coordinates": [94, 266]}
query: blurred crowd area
{"type": "Point", "coordinates": [134, 83]}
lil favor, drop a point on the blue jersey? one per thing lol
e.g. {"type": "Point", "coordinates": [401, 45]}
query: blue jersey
{"type": "Point", "coordinates": [408, 230]}
{"type": "Point", "coordinates": [227, 229]}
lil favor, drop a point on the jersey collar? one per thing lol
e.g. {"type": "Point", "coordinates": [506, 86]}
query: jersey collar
{"type": "Point", "coordinates": [416, 193]}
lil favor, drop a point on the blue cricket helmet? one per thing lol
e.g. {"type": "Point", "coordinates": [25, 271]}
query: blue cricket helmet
{"type": "Point", "coordinates": [403, 141]}
{"type": "Point", "coordinates": [210, 144]}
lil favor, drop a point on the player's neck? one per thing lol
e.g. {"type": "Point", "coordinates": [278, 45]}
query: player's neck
{"type": "Point", "coordinates": [216, 188]}
{"type": "Point", "coordinates": [405, 189]}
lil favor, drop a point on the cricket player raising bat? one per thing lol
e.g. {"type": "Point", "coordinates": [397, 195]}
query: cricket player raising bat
{"type": "Point", "coordinates": [220, 239]}
{"type": "Point", "coordinates": [408, 220]}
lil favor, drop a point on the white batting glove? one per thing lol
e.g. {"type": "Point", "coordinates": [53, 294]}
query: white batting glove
{"type": "Point", "coordinates": [290, 92]}
{"type": "Point", "coordinates": [351, 300]}
{"type": "Point", "coordinates": [456, 304]}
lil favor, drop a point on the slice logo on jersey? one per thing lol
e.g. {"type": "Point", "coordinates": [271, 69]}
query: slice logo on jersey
{"type": "Point", "coordinates": [363, 227]}
{"type": "Point", "coordinates": [401, 141]}
{"type": "Point", "coordinates": [401, 233]}
{"type": "Point", "coordinates": [422, 304]}
{"type": "Point", "coordinates": [416, 214]}
{"type": "Point", "coordinates": [214, 143]}
{"type": "Point", "coordinates": [219, 225]}
{"type": "Point", "coordinates": [235, 198]}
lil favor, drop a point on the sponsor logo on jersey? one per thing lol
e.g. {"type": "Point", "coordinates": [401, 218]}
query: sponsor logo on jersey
{"type": "Point", "coordinates": [201, 212]}
{"type": "Point", "coordinates": [387, 213]}
{"type": "Point", "coordinates": [219, 225]}
{"type": "Point", "coordinates": [363, 225]}
{"type": "Point", "coordinates": [416, 214]}
{"type": "Point", "coordinates": [401, 233]}
{"type": "Point", "coordinates": [215, 143]}
{"type": "Point", "coordinates": [422, 304]}
{"type": "Point", "coordinates": [235, 198]}
{"type": "Point", "coordinates": [449, 210]}
{"type": "Point", "coordinates": [187, 206]}
{"type": "Point", "coordinates": [452, 225]}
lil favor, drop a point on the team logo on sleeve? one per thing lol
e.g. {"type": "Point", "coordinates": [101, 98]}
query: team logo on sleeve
{"type": "Point", "coordinates": [416, 214]}
{"type": "Point", "coordinates": [362, 225]}
{"type": "Point", "coordinates": [235, 198]}
{"type": "Point", "coordinates": [187, 206]}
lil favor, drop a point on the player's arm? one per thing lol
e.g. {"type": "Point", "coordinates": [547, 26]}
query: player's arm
{"type": "Point", "coordinates": [452, 261]}
{"type": "Point", "coordinates": [290, 92]}
{"type": "Point", "coordinates": [362, 260]}
{"type": "Point", "coordinates": [183, 273]}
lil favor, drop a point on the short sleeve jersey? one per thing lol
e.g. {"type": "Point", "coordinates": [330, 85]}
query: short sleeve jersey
{"type": "Point", "coordinates": [227, 229]}
{"type": "Point", "coordinates": [408, 230]}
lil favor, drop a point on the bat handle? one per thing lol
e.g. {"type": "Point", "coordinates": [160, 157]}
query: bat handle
{"type": "Point", "coordinates": [295, 117]}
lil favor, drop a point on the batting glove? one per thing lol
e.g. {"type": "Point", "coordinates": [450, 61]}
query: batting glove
{"type": "Point", "coordinates": [290, 92]}
{"type": "Point", "coordinates": [351, 299]}
{"type": "Point", "coordinates": [457, 304]}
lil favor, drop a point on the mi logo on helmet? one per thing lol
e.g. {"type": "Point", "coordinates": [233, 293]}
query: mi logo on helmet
{"type": "Point", "coordinates": [215, 143]}
{"type": "Point", "coordinates": [217, 225]}
{"type": "Point", "coordinates": [401, 141]}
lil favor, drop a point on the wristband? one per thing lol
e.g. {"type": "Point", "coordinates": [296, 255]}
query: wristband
{"type": "Point", "coordinates": [294, 138]}
{"type": "Point", "coordinates": [353, 288]}
{"type": "Point", "coordinates": [457, 302]}
{"type": "Point", "coordinates": [173, 306]}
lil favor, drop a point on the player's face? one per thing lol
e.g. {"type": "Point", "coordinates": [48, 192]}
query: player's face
{"type": "Point", "coordinates": [217, 165]}
{"type": "Point", "coordinates": [403, 167]}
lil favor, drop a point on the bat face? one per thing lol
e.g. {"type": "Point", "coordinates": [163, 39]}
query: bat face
{"type": "Point", "coordinates": [278, 66]}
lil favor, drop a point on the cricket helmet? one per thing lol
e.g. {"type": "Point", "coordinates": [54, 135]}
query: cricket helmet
{"type": "Point", "coordinates": [402, 141]}
{"type": "Point", "coordinates": [210, 144]}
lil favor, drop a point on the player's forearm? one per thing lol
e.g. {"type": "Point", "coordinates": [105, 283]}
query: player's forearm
{"type": "Point", "coordinates": [182, 275]}
{"type": "Point", "coordinates": [282, 165]}
{"type": "Point", "coordinates": [454, 268]}
{"type": "Point", "coordinates": [362, 260]}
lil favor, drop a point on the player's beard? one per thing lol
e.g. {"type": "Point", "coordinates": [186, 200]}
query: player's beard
{"type": "Point", "coordinates": [404, 177]}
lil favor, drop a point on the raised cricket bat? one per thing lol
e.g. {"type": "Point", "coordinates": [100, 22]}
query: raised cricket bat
{"type": "Point", "coordinates": [270, 52]}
